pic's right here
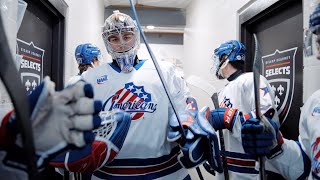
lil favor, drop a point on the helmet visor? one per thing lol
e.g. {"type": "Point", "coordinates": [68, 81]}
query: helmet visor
{"type": "Point", "coordinates": [218, 65]}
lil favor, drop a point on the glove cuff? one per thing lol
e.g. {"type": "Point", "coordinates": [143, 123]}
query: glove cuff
{"type": "Point", "coordinates": [223, 118]}
{"type": "Point", "coordinates": [276, 151]}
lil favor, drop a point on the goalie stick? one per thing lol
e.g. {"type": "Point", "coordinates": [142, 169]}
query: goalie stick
{"type": "Point", "coordinates": [211, 91]}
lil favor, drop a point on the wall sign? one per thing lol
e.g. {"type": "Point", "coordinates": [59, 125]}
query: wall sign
{"type": "Point", "coordinates": [31, 66]}
{"type": "Point", "coordinates": [279, 69]}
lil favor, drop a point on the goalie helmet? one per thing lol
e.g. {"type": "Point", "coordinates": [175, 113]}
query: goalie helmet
{"type": "Point", "coordinates": [122, 39]}
{"type": "Point", "coordinates": [227, 52]}
{"type": "Point", "coordinates": [85, 53]}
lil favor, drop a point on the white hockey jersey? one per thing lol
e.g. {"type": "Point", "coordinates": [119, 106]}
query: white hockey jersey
{"type": "Point", "coordinates": [309, 128]}
{"type": "Point", "coordinates": [239, 94]}
{"type": "Point", "coordinates": [73, 80]}
{"type": "Point", "coordinates": [146, 153]}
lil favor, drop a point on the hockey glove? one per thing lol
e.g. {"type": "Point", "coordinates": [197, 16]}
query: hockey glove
{"type": "Point", "coordinates": [58, 119]}
{"type": "Point", "coordinates": [201, 143]}
{"type": "Point", "coordinates": [109, 139]}
{"type": "Point", "coordinates": [262, 137]}
{"type": "Point", "coordinates": [223, 118]}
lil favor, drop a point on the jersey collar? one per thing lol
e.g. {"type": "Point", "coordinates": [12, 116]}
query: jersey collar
{"type": "Point", "coordinates": [235, 75]}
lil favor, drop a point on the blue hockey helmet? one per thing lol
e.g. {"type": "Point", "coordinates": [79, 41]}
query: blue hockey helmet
{"type": "Point", "coordinates": [314, 20]}
{"type": "Point", "coordinates": [230, 51]}
{"type": "Point", "coordinates": [85, 53]}
{"type": "Point", "coordinates": [234, 51]}
{"type": "Point", "coordinates": [311, 38]}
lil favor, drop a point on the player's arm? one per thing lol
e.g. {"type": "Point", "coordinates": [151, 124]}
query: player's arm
{"type": "Point", "coordinates": [232, 119]}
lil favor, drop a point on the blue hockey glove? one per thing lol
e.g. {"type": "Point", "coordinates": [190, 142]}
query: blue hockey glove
{"type": "Point", "coordinates": [201, 143]}
{"type": "Point", "coordinates": [261, 138]}
{"type": "Point", "coordinates": [223, 118]}
{"type": "Point", "coordinates": [58, 119]}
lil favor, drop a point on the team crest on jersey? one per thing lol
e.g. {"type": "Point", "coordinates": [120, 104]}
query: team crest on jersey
{"type": "Point", "coordinates": [279, 70]}
{"type": "Point", "coordinates": [316, 157]}
{"type": "Point", "coordinates": [102, 79]}
{"type": "Point", "coordinates": [133, 99]}
{"type": "Point", "coordinates": [226, 103]}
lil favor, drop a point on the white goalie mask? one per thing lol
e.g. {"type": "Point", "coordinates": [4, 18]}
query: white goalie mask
{"type": "Point", "coordinates": [122, 39]}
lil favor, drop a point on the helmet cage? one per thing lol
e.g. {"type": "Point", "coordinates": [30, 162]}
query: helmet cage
{"type": "Point", "coordinates": [121, 27]}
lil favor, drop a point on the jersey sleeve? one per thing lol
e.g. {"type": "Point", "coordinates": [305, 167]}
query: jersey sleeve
{"type": "Point", "coordinates": [310, 132]}
{"type": "Point", "coordinates": [266, 96]}
{"type": "Point", "coordinates": [248, 100]}
{"type": "Point", "coordinates": [292, 163]}
{"type": "Point", "coordinates": [177, 87]}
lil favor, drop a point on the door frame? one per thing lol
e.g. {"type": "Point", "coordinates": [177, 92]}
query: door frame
{"type": "Point", "coordinates": [58, 40]}
{"type": "Point", "coordinates": [248, 15]}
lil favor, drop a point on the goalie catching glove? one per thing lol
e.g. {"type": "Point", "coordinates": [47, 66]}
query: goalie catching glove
{"type": "Point", "coordinates": [108, 141]}
{"type": "Point", "coordinates": [200, 143]}
{"type": "Point", "coordinates": [58, 119]}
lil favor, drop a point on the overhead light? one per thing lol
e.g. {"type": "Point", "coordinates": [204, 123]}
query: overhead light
{"type": "Point", "coordinates": [150, 27]}
{"type": "Point", "coordinates": [163, 30]}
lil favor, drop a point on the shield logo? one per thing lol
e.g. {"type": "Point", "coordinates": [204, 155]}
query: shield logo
{"type": "Point", "coordinates": [279, 70]}
{"type": "Point", "coordinates": [30, 81]}
{"type": "Point", "coordinates": [31, 71]}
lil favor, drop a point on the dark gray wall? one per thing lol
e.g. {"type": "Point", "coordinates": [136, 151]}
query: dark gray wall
{"type": "Point", "coordinates": [154, 16]}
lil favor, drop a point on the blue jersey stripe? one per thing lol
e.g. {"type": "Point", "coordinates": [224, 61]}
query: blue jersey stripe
{"type": "Point", "coordinates": [246, 170]}
{"type": "Point", "coordinates": [148, 176]}
{"type": "Point", "coordinates": [239, 155]}
{"type": "Point", "coordinates": [145, 162]}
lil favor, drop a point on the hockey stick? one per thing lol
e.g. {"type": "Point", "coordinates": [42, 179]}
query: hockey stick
{"type": "Point", "coordinates": [10, 77]}
{"type": "Point", "coordinates": [256, 82]}
{"type": "Point", "coordinates": [211, 91]}
{"type": "Point", "coordinates": [183, 135]}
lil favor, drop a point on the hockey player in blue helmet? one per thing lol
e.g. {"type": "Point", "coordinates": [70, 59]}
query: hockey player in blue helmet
{"type": "Point", "coordinates": [229, 59]}
{"type": "Point", "coordinates": [298, 158]}
{"type": "Point", "coordinates": [236, 106]}
{"type": "Point", "coordinates": [87, 56]}
{"type": "Point", "coordinates": [312, 38]}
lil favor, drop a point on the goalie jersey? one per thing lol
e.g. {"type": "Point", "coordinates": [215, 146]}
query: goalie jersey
{"type": "Point", "coordinates": [146, 153]}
